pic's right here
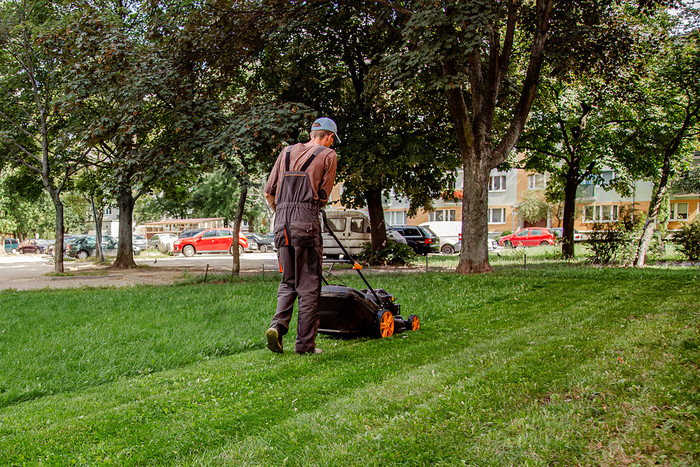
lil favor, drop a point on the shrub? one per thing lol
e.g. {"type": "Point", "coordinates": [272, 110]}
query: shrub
{"type": "Point", "coordinates": [393, 254]}
{"type": "Point", "coordinates": [688, 239]}
{"type": "Point", "coordinates": [615, 242]}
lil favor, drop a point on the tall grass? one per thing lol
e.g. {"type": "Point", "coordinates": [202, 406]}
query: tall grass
{"type": "Point", "coordinates": [549, 365]}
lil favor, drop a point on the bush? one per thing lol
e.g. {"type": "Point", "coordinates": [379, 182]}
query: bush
{"type": "Point", "coordinates": [393, 254]}
{"type": "Point", "coordinates": [615, 242]}
{"type": "Point", "coordinates": [688, 239]}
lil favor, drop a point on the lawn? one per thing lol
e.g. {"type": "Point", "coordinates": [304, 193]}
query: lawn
{"type": "Point", "coordinates": [553, 364]}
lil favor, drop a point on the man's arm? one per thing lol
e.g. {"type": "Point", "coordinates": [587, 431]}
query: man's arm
{"type": "Point", "coordinates": [271, 201]}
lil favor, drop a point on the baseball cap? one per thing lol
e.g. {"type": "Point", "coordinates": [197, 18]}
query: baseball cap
{"type": "Point", "coordinates": [325, 123]}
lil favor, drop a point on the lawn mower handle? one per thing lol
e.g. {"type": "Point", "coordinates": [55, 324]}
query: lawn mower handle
{"type": "Point", "coordinates": [349, 257]}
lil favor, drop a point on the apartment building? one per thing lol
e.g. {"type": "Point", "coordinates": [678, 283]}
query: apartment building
{"type": "Point", "coordinates": [507, 190]}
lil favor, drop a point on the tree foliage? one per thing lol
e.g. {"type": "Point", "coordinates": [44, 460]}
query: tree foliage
{"type": "Point", "coordinates": [487, 57]}
{"type": "Point", "coordinates": [335, 59]}
{"type": "Point", "coordinates": [32, 126]}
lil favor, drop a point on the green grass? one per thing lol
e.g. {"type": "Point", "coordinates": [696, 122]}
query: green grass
{"type": "Point", "coordinates": [550, 365]}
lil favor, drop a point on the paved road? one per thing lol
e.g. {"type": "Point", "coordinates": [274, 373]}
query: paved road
{"type": "Point", "coordinates": [25, 272]}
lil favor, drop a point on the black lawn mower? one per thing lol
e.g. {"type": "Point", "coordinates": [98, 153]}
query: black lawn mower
{"type": "Point", "coordinates": [345, 311]}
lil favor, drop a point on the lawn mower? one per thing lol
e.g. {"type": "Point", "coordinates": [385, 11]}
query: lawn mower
{"type": "Point", "coordinates": [346, 311]}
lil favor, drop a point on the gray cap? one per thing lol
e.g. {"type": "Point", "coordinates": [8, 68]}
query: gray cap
{"type": "Point", "coordinates": [325, 123]}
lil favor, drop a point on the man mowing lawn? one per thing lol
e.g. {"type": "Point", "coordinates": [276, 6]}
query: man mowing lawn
{"type": "Point", "coordinates": [297, 188]}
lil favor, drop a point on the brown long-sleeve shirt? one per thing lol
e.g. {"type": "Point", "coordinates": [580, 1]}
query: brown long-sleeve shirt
{"type": "Point", "coordinates": [321, 171]}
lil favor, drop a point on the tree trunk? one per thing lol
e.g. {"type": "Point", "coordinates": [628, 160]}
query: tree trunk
{"type": "Point", "coordinates": [474, 257]}
{"type": "Point", "coordinates": [653, 215]}
{"type": "Point", "coordinates": [567, 246]}
{"type": "Point", "coordinates": [58, 246]}
{"type": "Point", "coordinates": [125, 251]}
{"type": "Point", "coordinates": [376, 219]}
{"type": "Point", "coordinates": [98, 230]}
{"type": "Point", "coordinates": [236, 266]}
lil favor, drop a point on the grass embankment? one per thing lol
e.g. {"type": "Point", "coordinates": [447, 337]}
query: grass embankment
{"type": "Point", "coordinates": [551, 365]}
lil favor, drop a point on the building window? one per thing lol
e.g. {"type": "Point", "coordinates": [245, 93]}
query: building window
{"type": "Point", "coordinates": [395, 217]}
{"type": "Point", "coordinates": [497, 215]}
{"type": "Point", "coordinates": [536, 182]}
{"type": "Point", "coordinates": [442, 215]}
{"type": "Point", "coordinates": [605, 213]}
{"type": "Point", "coordinates": [679, 211]}
{"type": "Point", "coordinates": [497, 183]}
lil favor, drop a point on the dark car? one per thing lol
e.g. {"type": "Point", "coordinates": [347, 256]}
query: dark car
{"type": "Point", "coordinates": [34, 246]}
{"type": "Point", "coordinates": [260, 242]}
{"type": "Point", "coordinates": [421, 239]}
{"type": "Point", "coordinates": [84, 246]}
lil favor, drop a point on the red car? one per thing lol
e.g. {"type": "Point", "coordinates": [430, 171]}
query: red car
{"type": "Point", "coordinates": [218, 240]}
{"type": "Point", "coordinates": [529, 236]}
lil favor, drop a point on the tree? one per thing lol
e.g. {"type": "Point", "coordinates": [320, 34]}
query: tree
{"type": "Point", "coordinates": [136, 102]}
{"type": "Point", "coordinates": [572, 134]}
{"type": "Point", "coordinates": [31, 90]}
{"type": "Point", "coordinates": [487, 56]}
{"type": "Point", "coordinates": [669, 121]}
{"type": "Point", "coordinates": [334, 59]}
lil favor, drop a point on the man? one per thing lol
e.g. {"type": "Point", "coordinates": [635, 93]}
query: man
{"type": "Point", "coordinates": [298, 186]}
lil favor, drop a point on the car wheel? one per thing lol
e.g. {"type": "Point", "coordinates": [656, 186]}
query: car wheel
{"type": "Point", "coordinates": [188, 250]}
{"type": "Point", "coordinates": [447, 249]}
{"type": "Point", "coordinates": [240, 250]}
{"type": "Point", "coordinates": [508, 244]}
{"type": "Point", "coordinates": [544, 243]}
{"type": "Point", "coordinates": [385, 323]}
{"type": "Point", "coordinates": [413, 323]}
{"type": "Point", "coordinates": [21, 251]}
{"type": "Point", "coordinates": [262, 248]}
{"type": "Point", "coordinates": [82, 254]}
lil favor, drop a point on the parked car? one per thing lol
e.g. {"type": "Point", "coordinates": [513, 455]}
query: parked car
{"type": "Point", "coordinates": [190, 232]}
{"type": "Point", "coordinates": [421, 239]}
{"type": "Point", "coordinates": [84, 246]}
{"type": "Point", "coordinates": [529, 236]}
{"type": "Point", "coordinates": [34, 246]}
{"type": "Point", "coordinates": [261, 243]}
{"type": "Point", "coordinates": [352, 229]}
{"type": "Point", "coordinates": [559, 233]}
{"type": "Point", "coordinates": [11, 245]}
{"type": "Point", "coordinates": [392, 234]}
{"type": "Point", "coordinates": [163, 242]}
{"type": "Point", "coordinates": [140, 241]}
{"type": "Point", "coordinates": [450, 234]}
{"type": "Point", "coordinates": [217, 240]}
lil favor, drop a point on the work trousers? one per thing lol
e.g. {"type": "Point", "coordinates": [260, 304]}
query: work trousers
{"type": "Point", "coordinates": [301, 277]}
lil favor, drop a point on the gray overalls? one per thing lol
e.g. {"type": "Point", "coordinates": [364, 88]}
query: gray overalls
{"type": "Point", "coordinates": [300, 251]}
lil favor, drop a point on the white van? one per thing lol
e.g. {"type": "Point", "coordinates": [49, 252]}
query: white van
{"type": "Point", "coordinates": [352, 229]}
{"type": "Point", "coordinates": [450, 234]}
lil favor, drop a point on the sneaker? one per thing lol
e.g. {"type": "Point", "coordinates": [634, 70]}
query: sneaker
{"type": "Point", "coordinates": [314, 351]}
{"type": "Point", "coordinates": [274, 340]}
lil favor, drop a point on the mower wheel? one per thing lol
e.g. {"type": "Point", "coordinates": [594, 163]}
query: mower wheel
{"type": "Point", "coordinates": [385, 323]}
{"type": "Point", "coordinates": [413, 323]}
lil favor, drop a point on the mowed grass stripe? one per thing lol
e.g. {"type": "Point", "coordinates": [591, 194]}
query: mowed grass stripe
{"type": "Point", "coordinates": [245, 402]}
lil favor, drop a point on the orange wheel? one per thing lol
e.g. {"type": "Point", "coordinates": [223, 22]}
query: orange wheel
{"type": "Point", "coordinates": [413, 323]}
{"type": "Point", "coordinates": [386, 323]}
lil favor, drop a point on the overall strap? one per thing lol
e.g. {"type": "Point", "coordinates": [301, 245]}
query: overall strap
{"type": "Point", "coordinates": [286, 162]}
{"type": "Point", "coordinates": [308, 162]}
